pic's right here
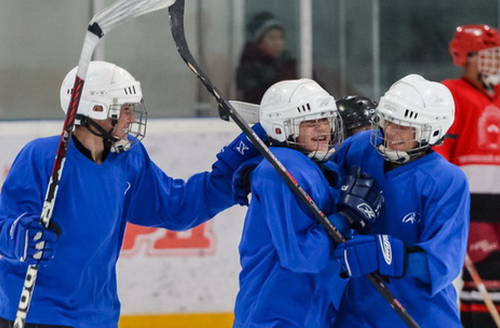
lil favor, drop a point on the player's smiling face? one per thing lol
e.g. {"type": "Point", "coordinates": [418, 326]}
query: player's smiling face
{"type": "Point", "coordinates": [126, 118]}
{"type": "Point", "coordinates": [314, 135]}
{"type": "Point", "coordinates": [399, 137]}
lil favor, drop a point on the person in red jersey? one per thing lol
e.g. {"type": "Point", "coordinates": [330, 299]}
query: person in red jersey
{"type": "Point", "coordinates": [476, 150]}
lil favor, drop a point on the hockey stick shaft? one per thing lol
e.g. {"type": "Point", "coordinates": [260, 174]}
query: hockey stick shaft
{"type": "Point", "coordinates": [482, 289]}
{"type": "Point", "coordinates": [50, 197]}
{"type": "Point", "coordinates": [176, 13]}
{"type": "Point", "coordinates": [101, 23]}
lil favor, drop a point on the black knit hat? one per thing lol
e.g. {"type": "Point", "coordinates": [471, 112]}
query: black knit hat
{"type": "Point", "coordinates": [261, 23]}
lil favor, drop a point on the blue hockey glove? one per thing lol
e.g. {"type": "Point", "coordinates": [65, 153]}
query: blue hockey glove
{"type": "Point", "coordinates": [360, 200]}
{"type": "Point", "coordinates": [238, 151]}
{"type": "Point", "coordinates": [28, 241]}
{"type": "Point", "coordinates": [364, 254]}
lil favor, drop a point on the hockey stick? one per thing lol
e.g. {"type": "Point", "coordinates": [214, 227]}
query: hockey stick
{"type": "Point", "coordinates": [102, 23]}
{"type": "Point", "coordinates": [226, 110]}
{"type": "Point", "coordinates": [248, 111]}
{"type": "Point", "coordinates": [482, 289]}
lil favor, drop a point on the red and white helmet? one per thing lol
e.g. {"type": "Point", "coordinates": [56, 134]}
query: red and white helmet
{"type": "Point", "coordinates": [472, 38]}
{"type": "Point", "coordinates": [415, 102]}
{"type": "Point", "coordinates": [288, 103]}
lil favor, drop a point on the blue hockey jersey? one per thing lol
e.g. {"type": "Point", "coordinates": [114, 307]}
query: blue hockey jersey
{"type": "Point", "coordinates": [426, 205]}
{"type": "Point", "coordinates": [289, 277]}
{"type": "Point", "coordinates": [78, 286]}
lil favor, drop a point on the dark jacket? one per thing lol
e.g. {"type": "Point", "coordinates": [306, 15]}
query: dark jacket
{"type": "Point", "coordinates": [258, 71]}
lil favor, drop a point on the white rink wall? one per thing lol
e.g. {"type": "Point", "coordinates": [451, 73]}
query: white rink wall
{"type": "Point", "coordinates": [163, 272]}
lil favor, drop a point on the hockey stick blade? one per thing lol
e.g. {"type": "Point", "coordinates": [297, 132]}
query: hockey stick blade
{"type": "Point", "coordinates": [248, 111]}
{"type": "Point", "coordinates": [102, 23]}
{"type": "Point", "coordinates": [176, 14]}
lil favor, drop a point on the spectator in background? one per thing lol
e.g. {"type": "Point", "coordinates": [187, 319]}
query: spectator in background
{"type": "Point", "coordinates": [476, 48]}
{"type": "Point", "coordinates": [264, 60]}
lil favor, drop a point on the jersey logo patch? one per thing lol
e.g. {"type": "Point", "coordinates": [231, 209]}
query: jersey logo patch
{"type": "Point", "coordinates": [367, 211]}
{"type": "Point", "coordinates": [411, 218]}
{"type": "Point", "coordinates": [242, 148]}
{"type": "Point", "coordinates": [385, 245]}
{"type": "Point", "coordinates": [489, 129]}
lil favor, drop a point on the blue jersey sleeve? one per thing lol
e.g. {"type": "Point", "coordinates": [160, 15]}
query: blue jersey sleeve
{"type": "Point", "coordinates": [301, 241]}
{"type": "Point", "coordinates": [24, 188]}
{"type": "Point", "coordinates": [161, 201]}
{"type": "Point", "coordinates": [444, 237]}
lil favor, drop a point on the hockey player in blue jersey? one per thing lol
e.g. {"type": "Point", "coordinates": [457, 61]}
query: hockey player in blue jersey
{"type": "Point", "coordinates": [108, 180]}
{"type": "Point", "coordinates": [289, 277]}
{"type": "Point", "coordinates": [419, 240]}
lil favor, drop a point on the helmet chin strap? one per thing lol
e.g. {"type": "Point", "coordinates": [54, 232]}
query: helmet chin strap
{"type": "Point", "coordinates": [402, 157]}
{"type": "Point", "coordinates": [120, 146]}
{"type": "Point", "coordinates": [110, 142]}
{"type": "Point", "coordinates": [394, 156]}
{"type": "Point", "coordinates": [317, 156]}
{"type": "Point", "coordinates": [321, 156]}
{"type": "Point", "coordinates": [490, 81]}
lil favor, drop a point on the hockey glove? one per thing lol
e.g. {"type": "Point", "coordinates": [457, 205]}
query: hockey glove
{"type": "Point", "coordinates": [28, 241]}
{"type": "Point", "coordinates": [238, 151]}
{"type": "Point", "coordinates": [364, 254]}
{"type": "Point", "coordinates": [360, 200]}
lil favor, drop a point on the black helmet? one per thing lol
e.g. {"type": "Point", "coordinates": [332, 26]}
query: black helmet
{"type": "Point", "coordinates": [356, 112]}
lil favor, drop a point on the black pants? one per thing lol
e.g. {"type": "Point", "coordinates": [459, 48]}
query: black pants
{"type": "Point", "coordinates": [10, 324]}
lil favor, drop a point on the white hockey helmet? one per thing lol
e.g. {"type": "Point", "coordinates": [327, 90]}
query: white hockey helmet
{"type": "Point", "coordinates": [105, 85]}
{"type": "Point", "coordinates": [288, 103]}
{"type": "Point", "coordinates": [107, 88]}
{"type": "Point", "coordinates": [415, 102]}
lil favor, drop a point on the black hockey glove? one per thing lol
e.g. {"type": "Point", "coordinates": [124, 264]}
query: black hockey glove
{"type": "Point", "coordinates": [360, 200]}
